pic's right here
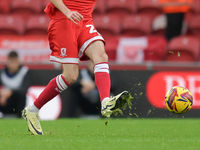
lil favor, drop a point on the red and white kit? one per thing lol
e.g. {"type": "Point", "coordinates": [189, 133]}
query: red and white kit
{"type": "Point", "coordinates": [67, 40]}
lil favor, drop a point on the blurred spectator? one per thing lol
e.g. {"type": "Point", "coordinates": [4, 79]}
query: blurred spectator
{"type": "Point", "coordinates": [175, 10]}
{"type": "Point", "coordinates": [85, 94]}
{"type": "Point", "coordinates": [14, 82]}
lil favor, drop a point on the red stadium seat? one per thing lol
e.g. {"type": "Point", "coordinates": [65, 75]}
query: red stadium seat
{"type": "Point", "coordinates": [195, 9]}
{"type": "Point", "coordinates": [11, 24]}
{"type": "Point", "coordinates": [99, 7]}
{"type": "Point", "coordinates": [111, 48]}
{"type": "Point", "coordinates": [150, 7]}
{"type": "Point", "coordinates": [121, 7]}
{"type": "Point", "coordinates": [196, 6]}
{"type": "Point", "coordinates": [136, 25]}
{"type": "Point", "coordinates": [4, 6]}
{"type": "Point", "coordinates": [107, 25]}
{"type": "Point", "coordinates": [156, 48]}
{"type": "Point", "coordinates": [25, 8]}
{"type": "Point", "coordinates": [182, 48]}
{"type": "Point", "coordinates": [194, 26]}
{"type": "Point", "coordinates": [37, 24]}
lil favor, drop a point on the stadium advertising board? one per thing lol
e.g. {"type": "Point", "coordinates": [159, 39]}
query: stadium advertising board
{"type": "Point", "coordinates": [31, 49]}
{"type": "Point", "coordinates": [148, 88]}
{"type": "Point", "coordinates": [160, 82]}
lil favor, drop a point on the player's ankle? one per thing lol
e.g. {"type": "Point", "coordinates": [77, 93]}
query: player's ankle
{"type": "Point", "coordinates": [103, 101]}
{"type": "Point", "coordinates": [33, 109]}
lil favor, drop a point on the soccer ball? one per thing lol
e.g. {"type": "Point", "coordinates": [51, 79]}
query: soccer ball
{"type": "Point", "coordinates": [178, 100]}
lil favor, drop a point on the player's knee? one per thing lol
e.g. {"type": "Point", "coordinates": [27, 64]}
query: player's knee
{"type": "Point", "coordinates": [104, 57]}
{"type": "Point", "coordinates": [100, 58]}
{"type": "Point", "coordinates": [70, 78]}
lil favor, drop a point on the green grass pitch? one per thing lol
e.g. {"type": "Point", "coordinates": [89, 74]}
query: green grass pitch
{"type": "Point", "coordinates": [99, 134]}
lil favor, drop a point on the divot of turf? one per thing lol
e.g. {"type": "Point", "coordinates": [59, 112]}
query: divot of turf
{"type": "Point", "coordinates": [128, 102]}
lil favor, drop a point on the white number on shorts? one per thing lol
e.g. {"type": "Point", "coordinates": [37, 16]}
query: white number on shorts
{"type": "Point", "coordinates": [91, 28]}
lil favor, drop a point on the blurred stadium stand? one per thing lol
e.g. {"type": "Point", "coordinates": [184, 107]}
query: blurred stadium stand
{"type": "Point", "coordinates": [11, 24]}
{"type": "Point", "coordinates": [100, 8]}
{"type": "Point", "coordinates": [37, 24]}
{"type": "Point", "coordinates": [121, 7]}
{"type": "Point", "coordinates": [114, 19]}
{"type": "Point", "coordinates": [194, 26]}
{"type": "Point", "coordinates": [4, 6]}
{"type": "Point", "coordinates": [159, 24]}
{"type": "Point", "coordinates": [107, 25]}
{"type": "Point", "coordinates": [149, 7]}
{"type": "Point", "coordinates": [183, 48]}
{"type": "Point", "coordinates": [136, 25]}
{"type": "Point", "coordinates": [25, 8]}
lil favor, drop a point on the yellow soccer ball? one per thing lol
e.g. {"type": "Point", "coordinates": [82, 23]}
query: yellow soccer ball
{"type": "Point", "coordinates": [179, 100]}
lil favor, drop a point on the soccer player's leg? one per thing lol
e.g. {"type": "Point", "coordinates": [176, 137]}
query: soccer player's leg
{"type": "Point", "coordinates": [64, 50]}
{"type": "Point", "coordinates": [55, 87]}
{"type": "Point", "coordinates": [96, 53]}
{"type": "Point", "coordinates": [91, 45]}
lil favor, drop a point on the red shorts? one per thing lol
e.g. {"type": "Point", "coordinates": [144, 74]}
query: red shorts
{"type": "Point", "coordinates": [69, 41]}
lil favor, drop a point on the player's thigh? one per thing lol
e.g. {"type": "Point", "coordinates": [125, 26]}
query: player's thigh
{"type": "Point", "coordinates": [70, 72]}
{"type": "Point", "coordinates": [91, 43]}
{"type": "Point", "coordinates": [96, 52]}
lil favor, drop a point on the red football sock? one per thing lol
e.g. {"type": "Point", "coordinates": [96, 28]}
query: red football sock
{"type": "Point", "coordinates": [55, 87]}
{"type": "Point", "coordinates": [102, 79]}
